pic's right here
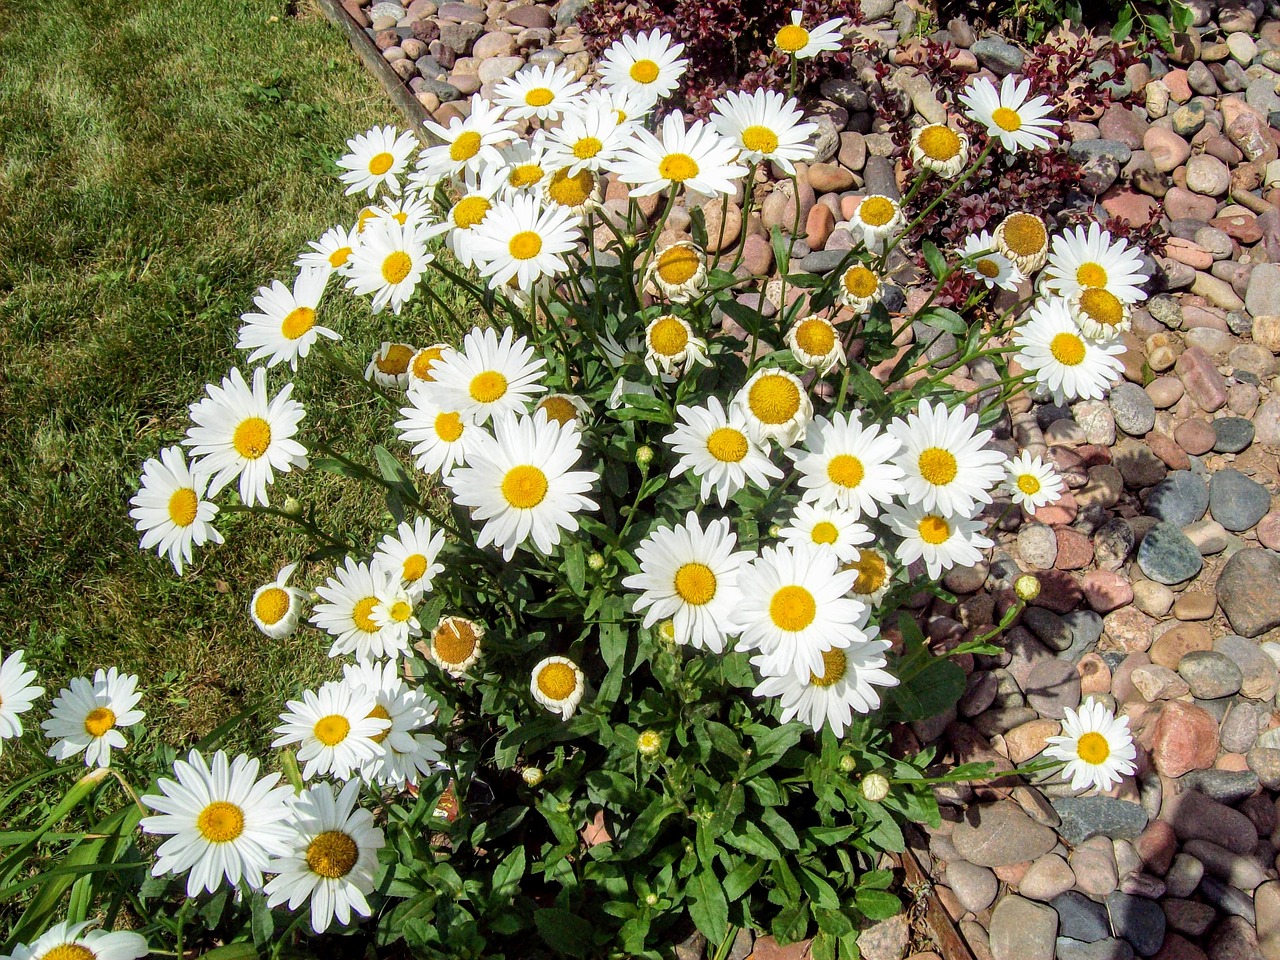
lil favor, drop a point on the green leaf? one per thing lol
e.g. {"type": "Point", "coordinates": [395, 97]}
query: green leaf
{"type": "Point", "coordinates": [708, 908]}
{"type": "Point", "coordinates": [1124, 24]}
{"type": "Point", "coordinates": [751, 839]}
{"type": "Point", "coordinates": [1182, 16]}
{"type": "Point", "coordinates": [941, 318]}
{"type": "Point", "coordinates": [564, 932]}
{"type": "Point", "coordinates": [506, 876]}
{"type": "Point", "coordinates": [575, 567]}
{"type": "Point", "coordinates": [781, 250]}
{"type": "Point", "coordinates": [741, 879]}
{"type": "Point", "coordinates": [877, 904]}
{"type": "Point", "coordinates": [330, 465]}
{"type": "Point", "coordinates": [928, 685]}
{"type": "Point", "coordinates": [232, 951]}
{"type": "Point", "coordinates": [262, 923]}
{"type": "Point", "coordinates": [934, 260]}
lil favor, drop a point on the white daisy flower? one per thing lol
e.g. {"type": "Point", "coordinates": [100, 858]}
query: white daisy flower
{"type": "Point", "coordinates": [389, 365]}
{"type": "Point", "coordinates": [455, 644]}
{"type": "Point", "coordinates": [630, 104]}
{"type": "Point", "coordinates": [945, 460]}
{"type": "Point", "coordinates": [74, 941]}
{"type": "Point", "coordinates": [286, 328]}
{"type": "Point", "coordinates": [376, 158]}
{"type": "Point", "coordinates": [331, 858]}
{"type": "Point", "coordinates": [693, 156]}
{"type": "Point", "coordinates": [815, 343]}
{"type": "Point", "coordinates": [1023, 238]}
{"type": "Point", "coordinates": [943, 540]}
{"type": "Point", "coordinates": [828, 529]}
{"type": "Point", "coordinates": [439, 437]}
{"type": "Point", "coordinates": [1019, 123]}
{"type": "Point", "coordinates": [423, 361]}
{"type": "Point", "coordinates": [276, 607]}
{"type": "Point", "coordinates": [689, 576]}
{"type": "Point", "coordinates": [224, 824]}
{"type": "Point", "coordinates": [488, 376]}
{"type": "Point", "coordinates": [545, 92]}
{"type": "Point", "coordinates": [525, 168]}
{"type": "Point", "coordinates": [874, 575]}
{"type": "Point", "coordinates": [411, 210]}
{"type": "Point", "coordinates": [766, 127]}
{"type": "Point", "coordinates": [986, 263]}
{"type": "Point", "coordinates": [794, 607]}
{"type": "Point", "coordinates": [470, 143]}
{"type": "Point", "coordinates": [1061, 358]}
{"type": "Point", "coordinates": [331, 252]}
{"type": "Point", "coordinates": [776, 407]}
{"type": "Point", "coordinates": [558, 684]}
{"type": "Point", "coordinates": [1099, 313]}
{"type": "Point", "coordinates": [588, 138]}
{"type": "Point", "coordinates": [678, 273]}
{"type": "Point", "coordinates": [849, 465]}
{"type": "Point", "coordinates": [877, 218]}
{"type": "Point", "coordinates": [1095, 745]}
{"type": "Point", "coordinates": [388, 263]}
{"type": "Point", "coordinates": [170, 510]}
{"type": "Point", "coordinates": [17, 694]}
{"type": "Point", "coordinates": [523, 240]}
{"type": "Point", "coordinates": [1083, 259]}
{"type": "Point", "coordinates": [671, 346]}
{"type": "Point", "coordinates": [860, 287]}
{"type": "Point", "coordinates": [803, 43]}
{"type": "Point", "coordinates": [411, 553]}
{"type": "Point", "coordinates": [940, 149]}
{"type": "Point", "coordinates": [346, 614]}
{"type": "Point", "coordinates": [713, 444]}
{"type": "Point", "coordinates": [648, 65]}
{"type": "Point", "coordinates": [520, 482]}
{"type": "Point", "coordinates": [406, 753]}
{"type": "Point", "coordinates": [394, 613]}
{"type": "Point", "coordinates": [564, 408]}
{"type": "Point", "coordinates": [475, 202]}
{"type": "Point", "coordinates": [1031, 482]}
{"type": "Point", "coordinates": [334, 728]}
{"type": "Point", "coordinates": [238, 432]}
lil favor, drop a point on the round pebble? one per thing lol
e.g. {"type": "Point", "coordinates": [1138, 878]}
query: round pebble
{"type": "Point", "coordinates": [1167, 556]}
{"type": "Point", "coordinates": [1133, 409]}
{"type": "Point", "coordinates": [1232, 434]}
{"type": "Point", "coordinates": [1195, 436]}
{"type": "Point", "coordinates": [1236, 501]}
{"type": "Point", "coordinates": [1181, 498]}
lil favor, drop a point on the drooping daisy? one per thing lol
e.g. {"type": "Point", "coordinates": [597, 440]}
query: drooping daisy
{"type": "Point", "coordinates": [1054, 351]}
{"type": "Point", "coordinates": [411, 553]}
{"type": "Point", "coordinates": [394, 613]}
{"type": "Point", "coordinates": [1031, 482]}
{"type": "Point", "coordinates": [678, 273]}
{"type": "Point", "coordinates": [647, 64]}
{"type": "Point", "coordinates": [470, 143]}
{"type": "Point", "coordinates": [828, 529]}
{"type": "Point", "coordinates": [795, 606]}
{"type": "Point", "coordinates": [422, 362]}
{"type": "Point", "coordinates": [455, 644]}
{"type": "Point", "coordinates": [376, 159]}
{"type": "Point", "coordinates": [524, 165]}
{"type": "Point", "coordinates": [17, 694]}
{"type": "Point", "coordinates": [276, 607]}
{"type": "Point", "coordinates": [849, 465]}
{"type": "Point", "coordinates": [776, 407]}
{"type": "Point", "coordinates": [943, 540]}
{"type": "Point", "coordinates": [671, 346]}
{"type": "Point", "coordinates": [522, 240]}
{"type": "Point", "coordinates": [74, 941]}
{"type": "Point", "coordinates": [940, 149]}
{"type": "Point", "coordinates": [987, 264]}
{"type": "Point", "coordinates": [170, 510]}
{"type": "Point", "coordinates": [520, 482]}
{"type": "Point", "coordinates": [713, 444]}
{"type": "Point", "coordinates": [439, 437]}
{"type": "Point", "coordinates": [331, 858]}
{"type": "Point", "coordinates": [766, 127]}
{"type": "Point", "coordinates": [406, 752]}
{"type": "Point", "coordinates": [238, 432]}
{"type": "Point", "coordinates": [1089, 259]}
{"type": "Point", "coordinates": [860, 287]}
{"type": "Point", "coordinates": [488, 376]}
{"type": "Point", "coordinates": [558, 684]}
{"type": "Point", "coordinates": [689, 576]}
{"type": "Point", "coordinates": [389, 365]}
{"type": "Point", "coordinates": [876, 218]}
{"type": "Point", "coordinates": [1019, 123]}
{"type": "Point", "coordinates": [346, 614]}
{"type": "Point", "coordinates": [588, 138]}
{"type": "Point", "coordinates": [545, 92]}
{"type": "Point", "coordinates": [815, 343]}
{"type": "Point", "coordinates": [564, 408]}
{"type": "Point", "coordinates": [803, 43]}
{"type": "Point", "coordinates": [1095, 745]}
{"type": "Point", "coordinates": [331, 252]}
{"type": "Point", "coordinates": [389, 263]}
{"type": "Point", "coordinates": [874, 575]}
{"type": "Point", "coordinates": [692, 156]}
{"type": "Point", "coordinates": [1099, 313]}
{"type": "Point", "coordinates": [1023, 238]}
{"type": "Point", "coordinates": [945, 459]}
{"type": "Point", "coordinates": [334, 728]}
{"type": "Point", "coordinates": [224, 824]}
{"type": "Point", "coordinates": [286, 328]}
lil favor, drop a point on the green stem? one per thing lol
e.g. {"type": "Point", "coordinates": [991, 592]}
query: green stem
{"type": "Point", "coordinates": [652, 242]}
{"type": "Point", "coordinates": [298, 520]}
{"type": "Point", "coordinates": [346, 367]}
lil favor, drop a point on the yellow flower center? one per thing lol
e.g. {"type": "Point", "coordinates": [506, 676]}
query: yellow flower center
{"type": "Point", "coordinates": [792, 608]}
{"type": "Point", "coordinates": [934, 529]}
{"type": "Point", "coordinates": [668, 336]}
{"type": "Point", "coordinates": [454, 640]}
{"type": "Point", "coordinates": [539, 96]}
{"type": "Point", "coordinates": [396, 267]}
{"type": "Point", "coordinates": [677, 264]}
{"type": "Point", "coordinates": [860, 282]}
{"type": "Point", "coordinates": [395, 360]}
{"type": "Point", "coordinates": [401, 218]}
{"type": "Point", "coordinates": [791, 38]}
{"type": "Point", "coordinates": [183, 505]}
{"type": "Point", "coordinates": [1093, 748]}
{"type": "Point", "coordinates": [644, 71]}
{"type": "Point", "coordinates": [424, 360]}
{"type": "Point", "coordinates": [466, 146]}
{"type": "Point", "coordinates": [587, 147]}
{"type": "Point", "coordinates": [525, 175]}
{"type": "Point", "coordinates": [1091, 275]}
{"type": "Point", "coordinates": [99, 720]}
{"type": "Point", "coordinates": [571, 191]}
{"type": "Point", "coordinates": [488, 387]}
{"type": "Point", "coordinates": [525, 245]}
{"type": "Point", "coordinates": [524, 487]}
{"type": "Point", "coordinates": [469, 211]}
{"type": "Point", "coordinates": [1101, 306]}
{"type": "Point", "coordinates": [415, 565]}
{"type": "Point", "coordinates": [69, 951]}
{"type": "Point", "coordinates": [815, 336]}
{"type": "Point", "coordinates": [557, 681]}
{"type": "Point", "coordinates": [845, 470]}
{"type": "Point", "coordinates": [872, 572]}
{"type": "Point", "coordinates": [939, 142]}
{"type": "Point", "coordinates": [362, 615]}
{"type": "Point", "coordinates": [298, 322]}
{"type": "Point", "coordinates": [938, 466]}
{"type": "Point", "coordinates": [759, 139]}
{"type": "Point", "coordinates": [824, 531]}
{"type": "Point", "coordinates": [401, 611]}
{"type": "Point", "coordinates": [448, 427]}
{"type": "Point", "coordinates": [380, 163]}
{"type": "Point", "coordinates": [877, 211]}
{"type": "Point", "coordinates": [988, 268]}
{"type": "Point", "coordinates": [1067, 349]}
{"type": "Point", "coordinates": [833, 667]}
{"type": "Point", "coordinates": [727, 445]}
{"type": "Point", "coordinates": [1024, 234]}
{"type": "Point", "coordinates": [379, 712]}
{"type": "Point", "coordinates": [252, 437]}
{"type": "Point", "coordinates": [272, 605]}
{"type": "Point", "coordinates": [559, 409]}
{"type": "Point", "coordinates": [1006, 119]}
{"type": "Point", "coordinates": [332, 854]}
{"type": "Point", "coordinates": [340, 256]}
{"type": "Point", "coordinates": [220, 822]}
{"type": "Point", "coordinates": [332, 730]}
{"type": "Point", "coordinates": [695, 584]}
{"type": "Point", "coordinates": [678, 167]}
{"type": "Point", "coordinates": [649, 742]}
{"type": "Point", "coordinates": [773, 399]}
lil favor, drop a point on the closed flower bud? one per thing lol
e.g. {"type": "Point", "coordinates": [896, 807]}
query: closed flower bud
{"type": "Point", "coordinates": [1027, 587]}
{"type": "Point", "coordinates": [293, 506]}
{"type": "Point", "coordinates": [875, 787]}
{"type": "Point", "coordinates": [595, 560]}
{"type": "Point", "coordinates": [848, 763]}
{"type": "Point", "coordinates": [532, 775]}
{"type": "Point", "coordinates": [650, 899]}
{"type": "Point", "coordinates": [644, 455]}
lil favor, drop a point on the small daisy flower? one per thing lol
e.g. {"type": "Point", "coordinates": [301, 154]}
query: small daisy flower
{"type": "Point", "coordinates": [476, 198]}
{"type": "Point", "coordinates": [170, 510]}
{"type": "Point", "coordinates": [877, 217]}
{"type": "Point", "coordinates": [545, 92]}
{"type": "Point", "coordinates": [678, 273]}
{"type": "Point", "coordinates": [1032, 483]}
{"type": "Point", "coordinates": [286, 328]}
{"type": "Point", "coordinates": [943, 540]}
{"type": "Point", "coordinates": [525, 167]}
{"type": "Point", "coordinates": [74, 941]}
{"type": "Point", "coordinates": [334, 729]}
{"type": "Point", "coordinates": [393, 613]}
{"type": "Point", "coordinates": [829, 529]}
{"type": "Point", "coordinates": [588, 138]}
{"type": "Point", "coordinates": [1054, 351]}
{"type": "Point", "coordinates": [422, 362]}
{"type": "Point", "coordinates": [389, 263]}
{"type": "Point", "coordinates": [455, 644]}
{"type": "Point", "coordinates": [488, 376]}
{"type": "Point", "coordinates": [1019, 123]}
{"type": "Point", "coordinates": [648, 65]}
{"type": "Point", "coordinates": [575, 194]}
{"type": "Point", "coordinates": [986, 264]}
{"type": "Point", "coordinates": [411, 553]}
{"type": "Point", "coordinates": [238, 432]}
{"type": "Point", "coordinates": [331, 252]}
{"type": "Point", "coordinates": [1089, 259]}
{"type": "Point", "coordinates": [945, 459]}
{"type": "Point", "coordinates": [564, 408]}
{"type": "Point", "coordinates": [411, 210]}
{"type": "Point", "coordinates": [1095, 745]}
{"type": "Point", "coordinates": [523, 240]}
{"type": "Point", "coordinates": [713, 444]}
{"type": "Point", "coordinates": [407, 754]}
{"type": "Point", "coordinates": [775, 406]}
{"type": "Point", "coordinates": [766, 127]}
{"type": "Point", "coordinates": [346, 613]}
{"type": "Point", "coordinates": [860, 287]}
{"type": "Point", "coordinates": [1099, 313]}
{"type": "Point", "coordinates": [17, 694]}
{"type": "Point", "coordinates": [693, 156]}
{"type": "Point", "coordinates": [558, 684]}
{"type": "Point", "coordinates": [802, 43]}
{"type": "Point", "coordinates": [940, 149]}
{"type": "Point", "coordinates": [376, 159]}
{"type": "Point", "coordinates": [689, 576]}
{"type": "Point", "coordinates": [332, 857]}
{"type": "Point", "coordinates": [389, 366]}
{"type": "Point", "coordinates": [1022, 238]}
{"type": "Point", "coordinates": [276, 607]}
{"type": "Point", "coordinates": [874, 575]}
{"type": "Point", "coordinates": [630, 105]}
{"type": "Point", "coordinates": [439, 437]}
{"type": "Point", "coordinates": [671, 346]}
{"type": "Point", "coordinates": [470, 143]}
{"type": "Point", "coordinates": [815, 343]}
{"type": "Point", "coordinates": [849, 465]}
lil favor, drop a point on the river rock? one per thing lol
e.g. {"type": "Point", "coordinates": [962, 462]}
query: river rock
{"type": "Point", "coordinates": [1236, 501]}
{"type": "Point", "coordinates": [998, 834]}
{"type": "Point", "coordinates": [1167, 556]}
{"type": "Point", "coordinates": [1246, 591]}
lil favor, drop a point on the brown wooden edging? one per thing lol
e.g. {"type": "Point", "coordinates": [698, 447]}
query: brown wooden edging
{"type": "Point", "coordinates": [951, 943]}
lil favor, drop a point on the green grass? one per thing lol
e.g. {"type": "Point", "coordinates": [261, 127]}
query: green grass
{"type": "Point", "coordinates": [159, 162]}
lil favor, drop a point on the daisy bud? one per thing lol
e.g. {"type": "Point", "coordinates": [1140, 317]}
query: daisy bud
{"type": "Point", "coordinates": [651, 899]}
{"type": "Point", "coordinates": [667, 631]}
{"type": "Point", "coordinates": [649, 743]}
{"type": "Point", "coordinates": [1027, 587]}
{"type": "Point", "coordinates": [293, 506]}
{"type": "Point", "coordinates": [644, 455]}
{"type": "Point", "coordinates": [775, 531]}
{"type": "Point", "coordinates": [848, 764]}
{"type": "Point", "coordinates": [532, 775]}
{"type": "Point", "coordinates": [875, 787]}
{"type": "Point", "coordinates": [595, 560]}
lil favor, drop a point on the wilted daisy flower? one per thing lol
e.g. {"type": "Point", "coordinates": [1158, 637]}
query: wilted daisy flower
{"type": "Point", "coordinates": [470, 143]}
{"type": "Point", "coordinates": [678, 273]}
{"type": "Point", "coordinates": [860, 287]}
{"type": "Point", "coordinates": [689, 576]}
{"type": "Point", "coordinates": [1032, 483]}
{"type": "Point", "coordinates": [238, 432]}
{"type": "Point", "coordinates": [775, 406]}
{"type": "Point", "coordinates": [713, 444]}
{"type": "Point", "coordinates": [331, 857]}
{"type": "Point", "coordinates": [455, 644]}
{"type": "Point", "coordinates": [987, 264]}
{"type": "Point", "coordinates": [488, 376]}
{"type": "Point", "coordinates": [1019, 123]}
{"type": "Point", "coordinates": [286, 327]}
{"type": "Point", "coordinates": [376, 159]}
{"type": "Point", "coordinates": [794, 607]}
{"type": "Point", "coordinates": [170, 510]}
{"type": "Point", "coordinates": [945, 461]}
{"type": "Point", "coordinates": [331, 252]}
{"type": "Point", "coordinates": [828, 529]}
{"type": "Point", "coordinates": [766, 127]}
{"type": "Point", "coordinates": [522, 240]}
{"type": "Point", "coordinates": [422, 362]}
{"type": "Point", "coordinates": [1099, 313]}
{"type": "Point", "coordinates": [17, 694]}
{"type": "Point", "coordinates": [411, 553]}
{"type": "Point", "coordinates": [940, 149]}
{"type": "Point", "coordinates": [849, 465]}
{"type": "Point", "coordinates": [1061, 358]}
{"type": "Point", "coordinates": [693, 156]}
{"type": "Point", "coordinates": [874, 574]}
{"type": "Point", "coordinates": [803, 43]}
{"type": "Point", "coordinates": [1096, 746]}
{"type": "Point", "coordinates": [943, 540]}
{"type": "Point", "coordinates": [670, 346]}
{"type": "Point", "coordinates": [647, 64]}
{"type": "Point", "coordinates": [74, 941]}
{"type": "Point", "coordinates": [276, 607]}
{"type": "Point", "coordinates": [815, 343]}
{"type": "Point", "coordinates": [1022, 238]}
{"type": "Point", "coordinates": [588, 138]}
{"type": "Point", "coordinates": [558, 684]}
{"type": "Point", "coordinates": [876, 217]}
{"type": "Point", "coordinates": [439, 437]}
{"type": "Point", "coordinates": [223, 822]}
{"type": "Point", "coordinates": [405, 753]}
{"type": "Point", "coordinates": [544, 92]}
{"type": "Point", "coordinates": [1083, 259]}
{"type": "Point", "coordinates": [389, 365]}
{"type": "Point", "coordinates": [346, 614]}
{"type": "Point", "coordinates": [388, 262]}
{"type": "Point", "coordinates": [334, 728]}
{"type": "Point", "coordinates": [520, 482]}
{"type": "Point", "coordinates": [524, 165]}
{"type": "Point", "coordinates": [564, 408]}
